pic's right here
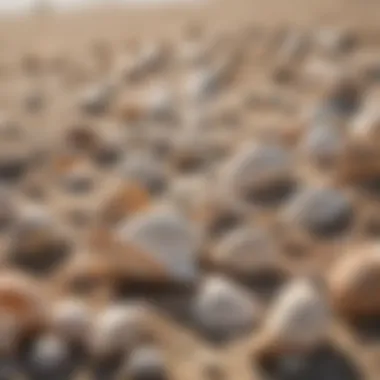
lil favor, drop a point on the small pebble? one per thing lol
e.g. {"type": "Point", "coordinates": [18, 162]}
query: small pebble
{"type": "Point", "coordinates": [146, 363]}
{"type": "Point", "coordinates": [325, 145]}
{"type": "Point", "coordinates": [223, 309]}
{"type": "Point", "coordinates": [201, 85]}
{"type": "Point", "coordinates": [81, 137]}
{"type": "Point", "coordinates": [325, 362]}
{"type": "Point", "coordinates": [95, 101]}
{"type": "Point", "coordinates": [160, 104]}
{"type": "Point", "coordinates": [146, 170]}
{"type": "Point", "coordinates": [343, 98]}
{"type": "Point", "coordinates": [49, 356]}
{"type": "Point", "coordinates": [324, 213]}
{"type": "Point", "coordinates": [37, 245]}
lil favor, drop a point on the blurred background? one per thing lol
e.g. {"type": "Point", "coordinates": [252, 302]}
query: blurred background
{"type": "Point", "coordinates": [27, 5]}
{"type": "Point", "coordinates": [180, 175]}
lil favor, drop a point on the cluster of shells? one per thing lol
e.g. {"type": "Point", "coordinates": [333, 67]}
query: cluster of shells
{"type": "Point", "coordinates": [169, 204]}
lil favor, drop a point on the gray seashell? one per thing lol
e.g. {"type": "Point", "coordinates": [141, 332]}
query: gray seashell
{"type": "Point", "coordinates": [168, 238]}
{"type": "Point", "coordinates": [146, 363]}
{"type": "Point", "coordinates": [322, 212]}
{"type": "Point", "coordinates": [261, 174]}
{"type": "Point", "coordinates": [224, 309]}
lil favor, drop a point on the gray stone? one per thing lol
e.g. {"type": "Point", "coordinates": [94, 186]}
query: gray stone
{"type": "Point", "coordinates": [322, 212]}
{"type": "Point", "coordinates": [223, 309]}
{"type": "Point", "coordinates": [324, 144]}
{"type": "Point", "coordinates": [146, 363]}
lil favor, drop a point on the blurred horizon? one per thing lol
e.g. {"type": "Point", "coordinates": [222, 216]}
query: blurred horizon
{"type": "Point", "coordinates": [28, 5]}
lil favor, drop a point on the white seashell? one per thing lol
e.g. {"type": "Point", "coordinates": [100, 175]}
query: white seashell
{"type": "Point", "coordinates": [117, 328]}
{"type": "Point", "coordinates": [300, 316]}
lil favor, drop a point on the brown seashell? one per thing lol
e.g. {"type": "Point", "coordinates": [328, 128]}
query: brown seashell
{"type": "Point", "coordinates": [129, 112]}
{"type": "Point", "coordinates": [23, 301]}
{"type": "Point", "coordinates": [85, 275]}
{"type": "Point", "coordinates": [128, 200]}
{"type": "Point", "coordinates": [361, 164]}
{"type": "Point", "coordinates": [74, 173]}
{"type": "Point", "coordinates": [81, 137]}
{"type": "Point", "coordinates": [354, 282]}
{"type": "Point", "coordinates": [64, 163]}
{"type": "Point", "coordinates": [37, 244]}
{"type": "Point", "coordinates": [162, 238]}
{"type": "Point", "coordinates": [128, 262]}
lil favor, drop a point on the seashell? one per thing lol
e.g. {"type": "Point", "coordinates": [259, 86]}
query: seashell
{"type": "Point", "coordinates": [74, 175]}
{"type": "Point", "coordinates": [261, 175]}
{"type": "Point", "coordinates": [96, 100]}
{"type": "Point", "coordinates": [144, 169]}
{"type": "Point", "coordinates": [37, 245]}
{"type": "Point", "coordinates": [167, 238]}
{"type": "Point", "coordinates": [81, 137]}
{"type": "Point", "coordinates": [129, 112]}
{"type": "Point", "coordinates": [22, 308]}
{"type": "Point", "coordinates": [201, 85]}
{"type": "Point", "coordinates": [247, 251]}
{"type": "Point", "coordinates": [85, 275]}
{"type": "Point", "coordinates": [128, 263]}
{"type": "Point", "coordinates": [128, 199]}
{"type": "Point", "coordinates": [118, 328]}
{"type": "Point", "coordinates": [366, 126]}
{"type": "Point", "coordinates": [223, 309]}
{"type": "Point", "coordinates": [325, 145]}
{"type": "Point", "coordinates": [160, 103]}
{"type": "Point", "coordinates": [298, 320]}
{"type": "Point", "coordinates": [354, 281]}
